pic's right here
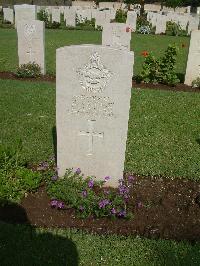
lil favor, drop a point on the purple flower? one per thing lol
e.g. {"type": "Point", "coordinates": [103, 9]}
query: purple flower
{"type": "Point", "coordinates": [43, 166]}
{"type": "Point", "coordinates": [113, 211]}
{"type": "Point", "coordinates": [81, 208]}
{"type": "Point", "coordinates": [122, 213]}
{"type": "Point", "coordinates": [123, 190]}
{"type": "Point", "coordinates": [103, 203]}
{"type": "Point", "coordinates": [60, 205]}
{"type": "Point", "coordinates": [54, 177]}
{"type": "Point", "coordinates": [54, 203]}
{"type": "Point", "coordinates": [91, 183]}
{"type": "Point", "coordinates": [107, 178]}
{"type": "Point", "coordinates": [131, 178]}
{"type": "Point", "coordinates": [84, 193]}
{"type": "Point", "coordinates": [78, 171]}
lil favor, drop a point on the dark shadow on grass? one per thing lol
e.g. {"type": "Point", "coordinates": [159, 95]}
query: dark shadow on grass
{"type": "Point", "coordinates": [23, 244]}
{"type": "Point", "coordinates": [198, 141]}
{"type": "Point", "coordinates": [181, 77]}
{"type": "Point", "coordinates": [54, 136]}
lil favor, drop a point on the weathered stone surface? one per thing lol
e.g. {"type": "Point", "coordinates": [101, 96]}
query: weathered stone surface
{"type": "Point", "coordinates": [31, 42]}
{"type": "Point", "coordinates": [55, 15]}
{"type": "Point", "coordinates": [193, 63]}
{"type": "Point", "coordinates": [70, 17]}
{"type": "Point", "coordinates": [25, 12]}
{"type": "Point", "coordinates": [93, 90]}
{"type": "Point", "coordinates": [8, 15]}
{"type": "Point", "coordinates": [193, 24]}
{"type": "Point", "coordinates": [84, 14]}
{"type": "Point", "coordinates": [116, 35]}
{"type": "Point", "coordinates": [102, 18]}
{"type": "Point", "coordinates": [161, 24]}
{"type": "Point", "coordinates": [131, 20]}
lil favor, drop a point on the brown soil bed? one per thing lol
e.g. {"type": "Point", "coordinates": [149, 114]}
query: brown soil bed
{"type": "Point", "coordinates": [170, 210]}
{"type": "Point", "coordinates": [49, 78]}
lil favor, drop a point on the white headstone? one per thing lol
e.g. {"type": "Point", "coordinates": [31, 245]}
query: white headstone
{"type": "Point", "coordinates": [8, 15]}
{"type": "Point", "coordinates": [131, 20]}
{"type": "Point", "coordinates": [161, 24]}
{"type": "Point", "coordinates": [83, 15]}
{"type": "Point", "coordinates": [193, 24]}
{"type": "Point", "coordinates": [31, 42]}
{"type": "Point", "coordinates": [70, 17]}
{"type": "Point", "coordinates": [25, 12]}
{"type": "Point", "coordinates": [193, 63]}
{"type": "Point", "coordinates": [55, 15]}
{"type": "Point", "coordinates": [93, 90]}
{"type": "Point", "coordinates": [116, 35]}
{"type": "Point", "coordinates": [102, 18]}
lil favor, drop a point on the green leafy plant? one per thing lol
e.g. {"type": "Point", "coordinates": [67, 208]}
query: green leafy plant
{"type": "Point", "coordinates": [15, 178]}
{"type": "Point", "coordinates": [160, 70]}
{"type": "Point", "coordinates": [121, 16]}
{"type": "Point", "coordinates": [30, 70]}
{"type": "Point", "coordinates": [43, 16]}
{"type": "Point", "coordinates": [88, 196]}
{"type": "Point", "coordinates": [144, 26]}
{"type": "Point", "coordinates": [85, 24]}
{"type": "Point", "coordinates": [174, 29]}
{"type": "Point", "coordinates": [196, 83]}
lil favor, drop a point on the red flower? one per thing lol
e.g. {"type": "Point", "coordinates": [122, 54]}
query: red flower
{"type": "Point", "coordinates": [127, 29]}
{"type": "Point", "coordinates": [145, 53]}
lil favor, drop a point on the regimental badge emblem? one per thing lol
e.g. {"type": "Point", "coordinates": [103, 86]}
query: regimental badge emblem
{"type": "Point", "coordinates": [94, 76]}
{"type": "Point", "coordinates": [29, 30]}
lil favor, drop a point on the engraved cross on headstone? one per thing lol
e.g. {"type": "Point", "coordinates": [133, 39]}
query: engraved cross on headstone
{"type": "Point", "coordinates": [30, 53]}
{"type": "Point", "coordinates": [91, 134]}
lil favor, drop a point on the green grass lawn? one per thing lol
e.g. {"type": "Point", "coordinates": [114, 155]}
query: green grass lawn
{"type": "Point", "coordinates": [60, 38]}
{"type": "Point", "coordinates": [23, 245]}
{"type": "Point", "coordinates": [163, 136]}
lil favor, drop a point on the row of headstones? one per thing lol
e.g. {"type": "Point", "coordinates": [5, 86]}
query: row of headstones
{"type": "Point", "coordinates": [186, 22]}
{"type": "Point", "coordinates": [31, 40]}
{"type": "Point", "coordinates": [118, 35]}
{"type": "Point", "coordinates": [29, 12]}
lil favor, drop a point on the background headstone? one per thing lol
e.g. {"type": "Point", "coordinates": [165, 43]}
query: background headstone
{"type": "Point", "coordinates": [70, 17]}
{"type": "Point", "coordinates": [193, 63]}
{"type": "Point", "coordinates": [31, 42]}
{"type": "Point", "coordinates": [93, 90]}
{"type": "Point", "coordinates": [8, 15]}
{"type": "Point", "coordinates": [131, 20]}
{"type": "Point", "coordinates": [25, 12]}
{"type": "Point", "coordinates": [55, 15]}
{"type": "Point", "coordinates": [116, 35]}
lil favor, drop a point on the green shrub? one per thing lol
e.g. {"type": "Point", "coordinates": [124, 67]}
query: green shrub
{"type": "Point", "coordinates": [196, 83]}
{"type": "Point", "coordinates": [121, 16]}
{"type": "Point", "coordinates": [161, 70]}
{"type": "Point", "coordinates": [86, 24]}
{"type": "Point", "coordinates": [43, 16]}
{"type": "Point", "coordinates": [174, 29]}
{"type": "Point", "coordinates": [88, 196]}
{"type": "Point", "coordinates": [15, 178]}
{"type": "Point", "coordinates": [143, 26]}
{"type": "Point", "coordinates": [30, 70]}
{"type": "Point", "coordinates": [53, 25]}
